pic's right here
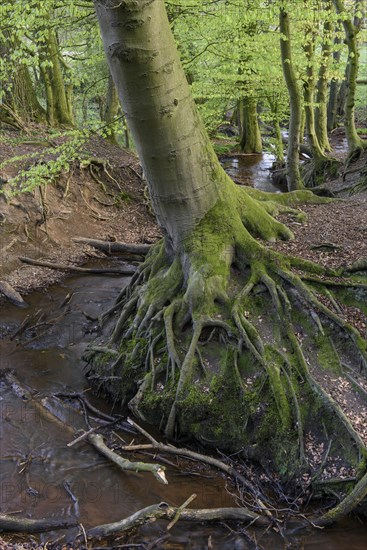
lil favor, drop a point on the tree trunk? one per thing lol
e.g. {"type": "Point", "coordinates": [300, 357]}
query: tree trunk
{"type": "Point", "coordinates": [333, 91]}
{"type": "Point", "coordinates": [181, 169]}
{"type": "Point", "coordinates": [250, 140]}
{"type": "Point", "coordinates": [207, 332]}
{"type": "Point", "coordinates": [58, 94]}
{"type": "Point", "coordinates": [351, 32]}
{"type": "Point", "coordinates": [20, 92]}
{"type": "Point", "coordinates": [308, 94]}
{"type": "Point", "coordinates": [111, 110]}
{"type": "Point", "coordinates": [322, 87]}
{"type": "Point", "coordinates": [293, 171]}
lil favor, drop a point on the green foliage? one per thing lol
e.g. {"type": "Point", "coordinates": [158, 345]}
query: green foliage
{"type": "Point", "coordinates": [44, 169]}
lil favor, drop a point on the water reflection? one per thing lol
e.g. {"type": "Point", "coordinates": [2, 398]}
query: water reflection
{"type": "Point", "coordinates": [252, 170]}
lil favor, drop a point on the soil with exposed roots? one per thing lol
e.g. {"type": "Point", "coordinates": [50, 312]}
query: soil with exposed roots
{"type": "Point", "coordinates": [281, 347]}
{"type": "Point", "coordinates": [236, 344]}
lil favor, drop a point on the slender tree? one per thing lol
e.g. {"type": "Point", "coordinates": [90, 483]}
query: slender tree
{"type": "Point", "coordinates": [248, 125]}
{"type": "Point", "coordinates": [322, 83]}
{"type": "Point", "coordinates": [294, 178]}
{"type": "Point", "coordinates": [351, 30]}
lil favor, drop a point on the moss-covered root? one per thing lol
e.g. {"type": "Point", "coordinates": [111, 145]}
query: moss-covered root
{"type": "Point", "coordinates": [346, 506]}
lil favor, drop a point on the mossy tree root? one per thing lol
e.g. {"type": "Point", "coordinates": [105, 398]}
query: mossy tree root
{"type": "Point", "coordinates": [209, 291]}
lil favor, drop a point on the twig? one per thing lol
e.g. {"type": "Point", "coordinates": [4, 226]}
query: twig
{"type": "Point", "coordinates": [156, 469]}
{"type": "Point", "coordinates": [179, 510]}
{"type": "Point", "coordinates": [82, 437]}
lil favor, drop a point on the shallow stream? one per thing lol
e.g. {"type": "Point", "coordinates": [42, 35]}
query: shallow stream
{"type": "Point", "coordinates": [36, 462]}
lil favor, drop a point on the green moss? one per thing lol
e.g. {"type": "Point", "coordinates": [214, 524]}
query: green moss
{"type": "Point", "coordinates": [326, 354]}
{"type": "Point", "coordinates": [278, 390]}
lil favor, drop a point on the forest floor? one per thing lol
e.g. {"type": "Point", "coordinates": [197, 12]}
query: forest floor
{"type": "Point", "coordinates": [110, 202]}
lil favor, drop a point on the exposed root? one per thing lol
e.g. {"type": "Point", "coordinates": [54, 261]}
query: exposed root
{"type": "Point", "coordinates": [262, 314]}
{"type": "Point", "coordinates": [315, 171]}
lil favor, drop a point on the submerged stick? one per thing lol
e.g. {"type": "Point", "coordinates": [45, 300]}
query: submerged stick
{"type": "Point", "coordinates": [26, 525]}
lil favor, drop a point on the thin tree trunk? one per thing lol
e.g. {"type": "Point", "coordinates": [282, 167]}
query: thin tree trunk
{"type": "Point", "coordinates": [294, 179]}
{"type": "Point", "coordinates": [351, 32]}
{"type": "Point", "coordinates": [50, 106]}
{"type": "Point", "coordinates": [333, 90]}
{"type": "Point", "coordinates": [250, 135]}
{"type": "Point", "coordinates": [322, 87]}
{"type": "Point", "coordinates": [308, 94]}
{"type": "Point", "coordinates": [112, 108]}
{"type": "Point", "coordinates": [61, 105]}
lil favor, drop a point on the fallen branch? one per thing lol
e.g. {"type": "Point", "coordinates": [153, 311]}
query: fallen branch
{"type": "Point", "coordinates": [26, 525]}
{"type": "Point", "coordinates": [12, 295]}
{"type": "Point", "coordinates": [164, 511]}
{"type": "Point", "coordinates": [228, 469]}
{"type": "Point", "coordinates": [358, 265]}
{"type": "Point", "coordinates": [95, 271]}
{"type": "Point", "coordinates": [179, 511]}
{"type": "Point", "coordinates": [53, 409]}
{"type": "Point", "coordinates": [111, 247]}
{"type": "Point", "coordinates": [156, 469]}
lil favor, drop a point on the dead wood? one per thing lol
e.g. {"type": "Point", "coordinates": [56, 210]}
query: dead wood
{"type": "Point", "coordinates": [227, 468]}
{"type": "Point", "coordinates": [358, 265]}
{"type": "Point", "coordinates": [156, 469]}
{"type": "Point", "coordinates": [55, 410]}
{"type": "Point", "coordinates": [12, 295]}
{"type": "Point", "coordinates": [111, 247]}
{"type": "Point", "coordinates": [164, 511]}
{"type": "Point", "coordinates": [128, 270]}
{"type": "Point", "coordinates": [26, 525]}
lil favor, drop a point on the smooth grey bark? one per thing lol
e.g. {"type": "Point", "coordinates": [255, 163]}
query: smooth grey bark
{"type": "Point", "coordinates": [294, 179]}
{"type": "Point", "coordinates": [179, 163]}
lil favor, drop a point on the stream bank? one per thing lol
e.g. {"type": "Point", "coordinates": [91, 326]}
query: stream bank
{"type": "Point", "coordinates": [37, 464]}
{"type": "Point", "coordinates": [53, 359]}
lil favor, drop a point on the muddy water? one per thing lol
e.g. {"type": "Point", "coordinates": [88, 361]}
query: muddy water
{"type": "Point", "coordinates": [35, 460]}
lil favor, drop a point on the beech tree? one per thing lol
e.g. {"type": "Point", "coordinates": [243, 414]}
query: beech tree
{"type": "Point", "coordinates": [294, 178]}
{"type": "Point", "coordinates": [351, 29]}
{"type": "Point", "coordinates": [217, 335]}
